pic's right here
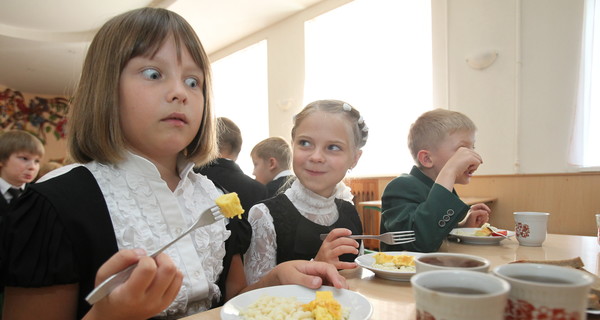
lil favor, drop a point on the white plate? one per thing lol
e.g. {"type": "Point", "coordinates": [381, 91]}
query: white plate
{"type": "Point", "coordinates": [462, 234]}
{"type": "Point", "coordinates": [367, 260]}
{"type": "Point", "coordinates": [359, 307]}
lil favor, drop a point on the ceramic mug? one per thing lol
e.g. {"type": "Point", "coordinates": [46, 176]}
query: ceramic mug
{"type": "Point", "coordinates": [459, 295]}
{"type": "Point", "coordinates": [448, 261]}
{"type": "Point", "coordinates": [530, 228]}
{"type": "Point", "coordinates": [540, 291]}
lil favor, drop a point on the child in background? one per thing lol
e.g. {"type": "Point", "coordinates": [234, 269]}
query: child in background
{"type": "Point", "coordinates": [326, 140]}
{"type": "Point", "coordinates": [141, 119]}
{"type": "Point", "coordinates": [20, 155]}
{"type": "Point", "coordinates": [272, 158]}
{"type": "Point", "coordinates": [442, 143]}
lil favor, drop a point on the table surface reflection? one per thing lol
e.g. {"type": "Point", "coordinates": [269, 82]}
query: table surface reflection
{"type": "Point", "coordinates": [394, 299]}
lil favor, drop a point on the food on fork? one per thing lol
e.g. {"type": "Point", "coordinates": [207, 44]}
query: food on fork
{"type": "Point", "coordinates": [487, 230]}
{"type": "Point", "coordinates": [402, 262]}
{"type": "Point", "coordinates": [230, 206]}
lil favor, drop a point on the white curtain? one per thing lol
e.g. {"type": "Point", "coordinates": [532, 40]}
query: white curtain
{"type": "Point", "coordinates": [585, 140]}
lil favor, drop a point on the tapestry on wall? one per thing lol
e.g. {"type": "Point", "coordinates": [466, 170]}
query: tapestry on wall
{"type": "Point", "coordinates": [39, 116]}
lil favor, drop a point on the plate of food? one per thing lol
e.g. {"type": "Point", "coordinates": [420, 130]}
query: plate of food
{"type": "Point", "coordinates": [484, 235]}
{"type": "Point", "coordinates": [391, 265]}
{"type": "Point", "coordinates": [292, 301]}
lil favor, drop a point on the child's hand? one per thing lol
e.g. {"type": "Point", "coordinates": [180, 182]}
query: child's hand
{"type": "Point", "coordinates": [150, 289]}
{"type": "Point", "coordinates": [459, 168]}
{"type": "Point", "coordinates": [311, 274]}
{"type": "Point", "coordinates": [476, 217]}
{"type": "Point", "coordinates": [335, 245]}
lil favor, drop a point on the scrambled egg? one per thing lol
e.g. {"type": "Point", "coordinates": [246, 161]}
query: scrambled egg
{"type": "Point", "coordinates": [398, 261]}
{"type": "Point", "coordinates": [324, 307]}
{"type": "Point", "coordinates": [484, 231]}
{"type": "Point", "coordinates": [230, 206]}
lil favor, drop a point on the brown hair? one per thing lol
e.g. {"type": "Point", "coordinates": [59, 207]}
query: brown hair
{"type": "Point", "coordinates": [275, 147]}
{"type": "Point", "coordinates": [432, 127]}
{"type": "Point", "coordinates": [229, 136]}
{"type": "Point", "coordinates": [19, 141]}
{"type": "Point", "coordinates": [359, 128]}
{"type": "Point", "coordinates": [95, 130]}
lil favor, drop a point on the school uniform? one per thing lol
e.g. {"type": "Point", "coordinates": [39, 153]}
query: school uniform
{"type": "Point", "coordinates": [288, 226]}
{"type": "Point", "coordinates": [415, 202]}
{"type": "Point", "coordinates": [71, 224]}
{"type": "Point", "coordinates": [281, 182]}
{"type": "Point", "coordinates": [9, 193]}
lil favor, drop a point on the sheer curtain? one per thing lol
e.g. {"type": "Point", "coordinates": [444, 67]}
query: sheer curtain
{"type": "Point", "coordinates": [585, 142]}
{"type": "Point", "coordinates": [375, 55]}
{"type": "Point", "coordinates": [240, 90]}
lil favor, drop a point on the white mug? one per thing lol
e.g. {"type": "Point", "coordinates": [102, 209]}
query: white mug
{"type": "Point", "coordinates": [530, 228]}
{"type": "Point", "coordinates": [540, 291]}
{"type": "Point", "coordinates": [459, 295]}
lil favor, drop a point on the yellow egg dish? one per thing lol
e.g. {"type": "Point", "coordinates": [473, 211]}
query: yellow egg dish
{"type": "Point", "coordinates": [230, 205]}
{"type": "Point", "coordinates": [398, 260]}
{"type": "Point", "coordinates": [484, 231]}
{"type": "Point", "coordinates": [324, 307]}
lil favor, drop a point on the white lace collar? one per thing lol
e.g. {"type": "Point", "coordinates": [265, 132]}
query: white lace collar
{"type": "Point", "coordinates": [307, 201]}
{"type": "Point", "coordinates": [142, 166]}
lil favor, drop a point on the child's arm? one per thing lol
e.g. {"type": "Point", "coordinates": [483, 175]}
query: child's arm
{"type": "Point", "coordinates": [463, 162]}
{"type": "Point", "coordinates": [408, 204]}
{"type": "Point", "coordinates": [335, 245]}
{"type": "Point", "coordinates": [310, 274]}
{"type": "Point", "coordinates": [151, 288]}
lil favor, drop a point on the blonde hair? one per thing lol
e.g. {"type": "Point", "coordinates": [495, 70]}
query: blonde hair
{"type": "Point", "coordinates": [359, 128]}
{"type": "Point", "coordinates": [275, 147]}
{"type": "Point", "coordinates": [95, 129]}
{"type": "Point", "coordinates": [19, 141]}
{"type": "Point", "coordinates": [432, 127]}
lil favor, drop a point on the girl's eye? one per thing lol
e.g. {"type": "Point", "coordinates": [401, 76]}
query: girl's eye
{"type": "Point", "coordinates": [152, 74]}
{"type": "Point", "coordinates": [303, 143]}
{"type": "Point", "coordinates": [191, 82]}
{"type": "Point", "coordinates": [334, 147]}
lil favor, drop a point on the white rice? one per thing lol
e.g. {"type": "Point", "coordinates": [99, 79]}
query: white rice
{"type": "Point", "coordinates": [275, 308]}
{"type": "Point", "coordinates": [390, 266]}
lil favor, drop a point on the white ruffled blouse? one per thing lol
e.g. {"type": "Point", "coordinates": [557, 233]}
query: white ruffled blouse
{"type": "Point", "coordinates": [261, 256]}
{"type": "Point", "coordinates": [145, 213]}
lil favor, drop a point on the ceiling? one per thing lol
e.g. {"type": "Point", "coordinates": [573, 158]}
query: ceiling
{"type": "Point", "coordinates": [43, 43]}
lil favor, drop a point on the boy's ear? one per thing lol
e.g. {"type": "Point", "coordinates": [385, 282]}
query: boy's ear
{"type": "Point", "coordinates": [424, 158]}
{"type": "Point", "coordinates": [273, 164]}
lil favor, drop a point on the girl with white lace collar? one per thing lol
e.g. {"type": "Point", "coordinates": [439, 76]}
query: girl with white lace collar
{"type": "Point", "coordinates": [141, 119]}
{"type": "Point", "coordinates": [327, 138]}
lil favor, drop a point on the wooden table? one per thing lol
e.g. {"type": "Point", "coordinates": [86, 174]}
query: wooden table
{"type": "Point", "coordinates": [394, 299]}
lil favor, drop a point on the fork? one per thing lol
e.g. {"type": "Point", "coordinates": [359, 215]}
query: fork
{"type": "Point", "coordinates": [392, 238]}
{"type": "Point", "coordinates": [207, 217]}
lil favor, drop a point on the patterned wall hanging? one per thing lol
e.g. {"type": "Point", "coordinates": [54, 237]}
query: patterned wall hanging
{"type": "Point", "coordinates": [39, 116]}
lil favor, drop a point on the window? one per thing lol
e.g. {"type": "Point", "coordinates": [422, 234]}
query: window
{"type": "Point", "coordinates": [240, 88]}
{"type": "Point", "coordinates": [585, 150]}
{"type": "Point", "coordinates": [375, 55]}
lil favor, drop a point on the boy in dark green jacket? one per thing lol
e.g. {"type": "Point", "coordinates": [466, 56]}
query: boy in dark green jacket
{"type": "Point", "coordinates": [442, 143]}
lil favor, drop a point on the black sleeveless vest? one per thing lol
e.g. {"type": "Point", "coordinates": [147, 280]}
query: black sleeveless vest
{"type": "Point", "coordinates": [298, 237]}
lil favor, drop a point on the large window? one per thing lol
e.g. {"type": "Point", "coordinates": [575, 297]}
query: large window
{"type": "Point", "coordinates": [375, 55]}
{"type": "Point", "coordinates": [240, 88]}
{"type": "Point", "coordinates": [585, 151]}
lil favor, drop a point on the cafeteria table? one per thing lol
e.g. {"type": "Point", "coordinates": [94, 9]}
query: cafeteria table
{"type": "Point", "coordinates": [394, 299]}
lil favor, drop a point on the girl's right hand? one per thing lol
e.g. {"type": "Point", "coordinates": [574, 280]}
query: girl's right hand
{"type": "Point", "coordinates": [335, 245]}
{"type": "Point", "coordinates": [150, 289]}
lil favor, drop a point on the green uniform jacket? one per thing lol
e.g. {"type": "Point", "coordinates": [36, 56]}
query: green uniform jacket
{"type": "Point", "coordinates": [414, 202]}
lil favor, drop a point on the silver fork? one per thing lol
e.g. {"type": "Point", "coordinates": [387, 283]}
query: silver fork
{"type": "Point", "coordinates": [207, 217]}
{"type": "Point", "coordinates": [392, 238]}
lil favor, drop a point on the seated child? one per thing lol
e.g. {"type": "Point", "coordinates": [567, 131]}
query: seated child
{"type": "Point", "coordinates": [20, 155]}
{"type": "Point", "coordinates": [327, 138]}
{"type": "Point", "coordinates": [271, 159]}
{"type": "Point", "coordinates": [442, 143]}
